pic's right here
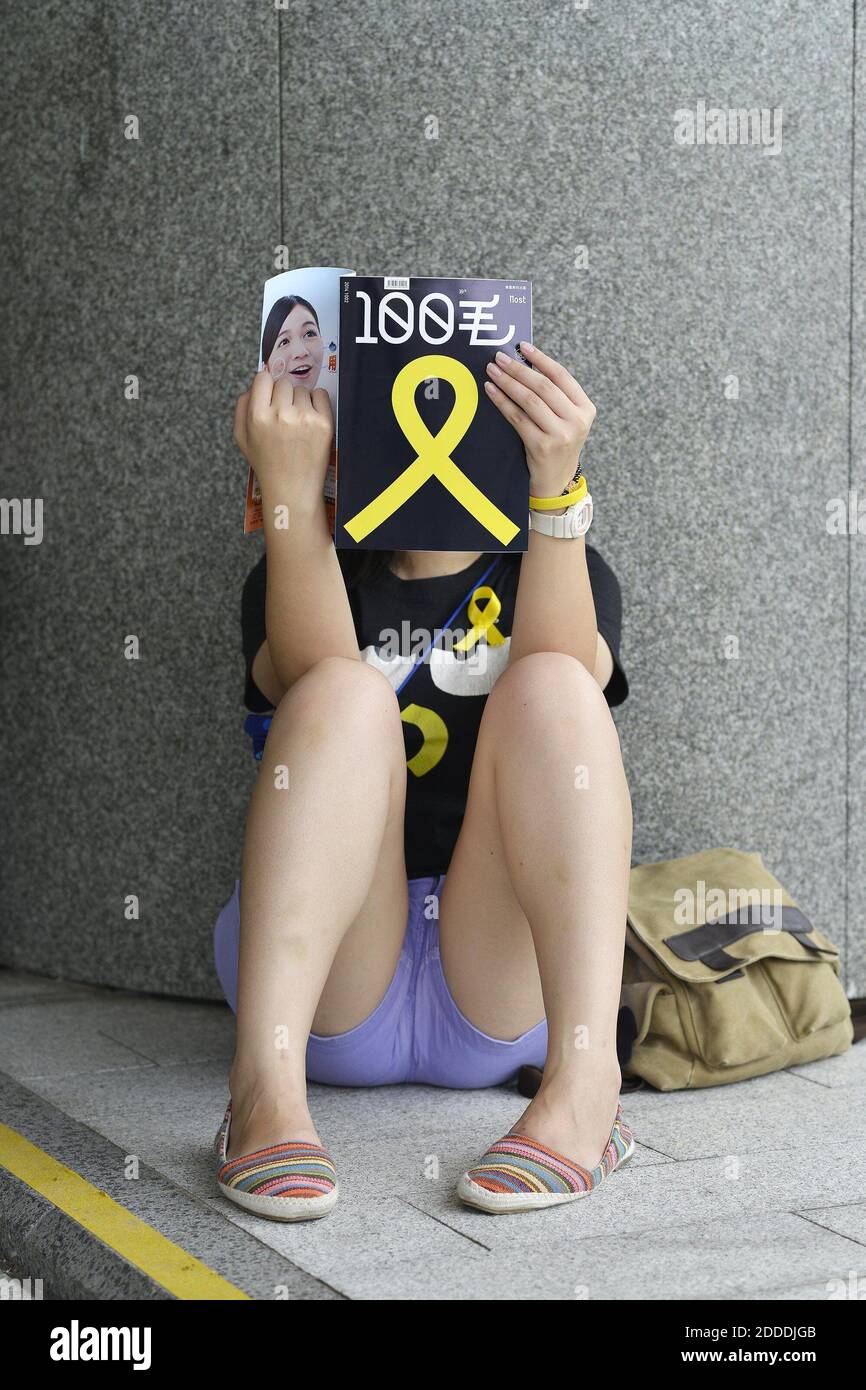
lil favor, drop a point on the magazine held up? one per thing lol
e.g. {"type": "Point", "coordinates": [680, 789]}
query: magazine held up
{"type": "Point", "coordinates": [426, 461]}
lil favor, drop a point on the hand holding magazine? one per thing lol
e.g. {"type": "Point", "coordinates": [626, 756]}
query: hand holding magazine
{"type": "Point", "coordinates": [298, 341]}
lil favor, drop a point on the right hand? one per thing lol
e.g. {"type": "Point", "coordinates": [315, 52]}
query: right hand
{"type": "Point", "coordinates": [285, 435]}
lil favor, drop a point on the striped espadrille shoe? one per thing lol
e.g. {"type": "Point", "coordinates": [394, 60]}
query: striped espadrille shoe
{"type": "Point", "coordinates": [285, 1182]}
{"type": "Point", "coordinates": [519, 1174]}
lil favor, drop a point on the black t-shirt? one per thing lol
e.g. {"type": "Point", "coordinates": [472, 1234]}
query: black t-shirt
{"type": "Point", "coordinates": [442, 700]}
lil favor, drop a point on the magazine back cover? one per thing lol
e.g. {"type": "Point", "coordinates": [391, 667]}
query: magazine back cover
{"type": "Point", "coordinates": [427, 462]}
{"type": "Point", "coordinates": [300, 338]}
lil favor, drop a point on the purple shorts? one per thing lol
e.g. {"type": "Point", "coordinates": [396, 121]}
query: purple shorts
{"type": "Point", "coordinates": [416, 1032]}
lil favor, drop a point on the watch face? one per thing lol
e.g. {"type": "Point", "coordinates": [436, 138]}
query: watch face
{"type": "Point", "coordinates": [574, 522]}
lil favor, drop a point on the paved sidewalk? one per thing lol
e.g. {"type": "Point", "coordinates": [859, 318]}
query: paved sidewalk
{"type": "Point", "coordinates": [753, 1191]}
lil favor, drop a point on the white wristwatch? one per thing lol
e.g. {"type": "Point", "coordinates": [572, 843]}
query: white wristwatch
{"type": "Point", "coordinates": [572, 523]}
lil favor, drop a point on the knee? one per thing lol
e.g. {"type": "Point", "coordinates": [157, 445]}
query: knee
{"type": "Point", "coordinates": [551, 689]}
{"type": "Point", "coordinates": [340, 690]}
{"type": "Point", "coordinates": [549, 702]}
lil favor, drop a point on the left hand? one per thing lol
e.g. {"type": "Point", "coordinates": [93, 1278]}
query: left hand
{"type": "Point", "coordinates": [550, 411]}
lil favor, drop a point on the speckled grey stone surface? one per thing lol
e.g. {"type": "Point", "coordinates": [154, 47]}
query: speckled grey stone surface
{"type": "Point", "coordinates": [846, 1070]}
{"type": "Point", "coordinates": [555, 132]}
{"type": "Point", "coordinates": [719, 1260]}
{"type": "Point", "coordinates": [753, 1190]}
{"type": "Point", "coordinates": [146, 257]}
{"type": "Point", "coordinates": [856, 548]}
{"type": "Point", "coordinates": [76, 1264]}
{"type": "Point", "coordinates": [849, 1220]}
{"type": "Point", "coordinates": [112, 1034]}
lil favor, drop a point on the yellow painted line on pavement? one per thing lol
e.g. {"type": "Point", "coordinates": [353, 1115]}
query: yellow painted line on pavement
{"type": "Point", "coordinates": [174, 1269]}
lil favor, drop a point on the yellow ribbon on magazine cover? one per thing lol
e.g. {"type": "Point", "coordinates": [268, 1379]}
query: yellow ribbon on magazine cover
{"type": "Point", "coordinates": [433, 451]}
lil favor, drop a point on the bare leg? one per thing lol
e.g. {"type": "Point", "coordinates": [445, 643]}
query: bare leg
{"type": "Point", "coordinates": [323, 889]}
{"type": "Point", "coordinates": [532, 919]}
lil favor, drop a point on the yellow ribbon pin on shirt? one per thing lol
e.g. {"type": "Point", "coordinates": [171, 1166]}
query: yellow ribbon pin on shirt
{"type": "Point", "coordinates": [482, 620]}
{"type": "Point", "coordinates": [433, 451]}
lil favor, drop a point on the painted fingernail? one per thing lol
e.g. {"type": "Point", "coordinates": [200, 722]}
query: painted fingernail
{"type": "Point", "coordinates": [503, 358]}
{"type": "Point", "coordinates": [493, 369]}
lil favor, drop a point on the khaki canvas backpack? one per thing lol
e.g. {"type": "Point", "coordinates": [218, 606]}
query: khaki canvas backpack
{"type": "Point", "coordinates": [725, 976]}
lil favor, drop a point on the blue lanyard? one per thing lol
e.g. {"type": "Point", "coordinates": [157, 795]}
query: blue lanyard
{"type": "Point", "coordinates": [257, 725]}
{"type": "Point", "coordinates": [446, 625]}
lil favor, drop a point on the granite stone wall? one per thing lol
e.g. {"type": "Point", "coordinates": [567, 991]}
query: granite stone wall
{"type": "Point", "coordinates": [707, 296]}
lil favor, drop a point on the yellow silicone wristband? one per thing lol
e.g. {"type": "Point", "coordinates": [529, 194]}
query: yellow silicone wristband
{"type": "Point", "coordinates": [565, 499]}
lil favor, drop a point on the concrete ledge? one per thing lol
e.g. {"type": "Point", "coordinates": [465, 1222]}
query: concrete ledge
{"type": "Point", "coordinates": [73, 1262]}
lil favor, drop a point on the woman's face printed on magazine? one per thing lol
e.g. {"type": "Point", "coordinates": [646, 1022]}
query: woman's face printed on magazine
{"type": "Point", "coordinates": [299, 349]}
